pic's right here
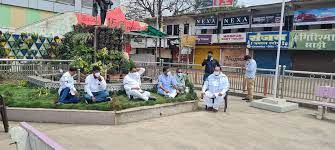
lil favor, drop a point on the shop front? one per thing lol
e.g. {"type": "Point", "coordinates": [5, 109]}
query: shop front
{"type": "Point", "coordinates": [264, 49]}
{"type": "Point", "coordinates": [233, 48]}
{"type": "Point", "coordinates": [312, 49]}
{"type": "Point", "coordinates": [203, 47]}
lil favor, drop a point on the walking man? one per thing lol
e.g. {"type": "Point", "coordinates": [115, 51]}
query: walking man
{"type": "Point", "coordinates": [215, 88]}
{"type": "Point", "coordinates": [210, 63]}
{"type": "Point", "coordinates": [250, 74]}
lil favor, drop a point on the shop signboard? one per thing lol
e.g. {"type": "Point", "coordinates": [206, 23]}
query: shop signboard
{"type": "Point", "coordinates": [215, 3]}
{"type": "Point", "coordinates": [313, 40]}
{"type": "Point", "coordinates": [204, 39]}
{"type": "Point", "coordinates": [236, 22]}
{"type": "Point", "coordinates": [267, 39]}
{"type": "Point", "coordinates": [267, 20]}
{"type": "Point", "coordinates": [232, 38]}
{"type": "Point", "coordinates": [314, 16]}
{"type": "Point", "coordinates": [206, 22]}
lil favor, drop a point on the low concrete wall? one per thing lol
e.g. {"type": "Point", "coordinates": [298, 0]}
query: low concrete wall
{"type": "Point", "coordinates": [61, 116]}
{"type": "Point", "coordinates": [99, 117]}
{"type": "Point", "coordinates": [149, 112]}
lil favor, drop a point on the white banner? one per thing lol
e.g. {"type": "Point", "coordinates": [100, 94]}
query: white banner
{"type": "Point", "coordinates": [232, 38]}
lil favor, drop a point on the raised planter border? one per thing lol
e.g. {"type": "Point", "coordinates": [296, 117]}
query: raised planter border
{"type": "Point", "coordinates": [71, 116]}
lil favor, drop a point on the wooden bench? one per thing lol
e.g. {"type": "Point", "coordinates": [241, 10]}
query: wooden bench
{"type": "Point", "coordinates": [3, 114]}
{"type": "Point", "coordinates": [326, 93]}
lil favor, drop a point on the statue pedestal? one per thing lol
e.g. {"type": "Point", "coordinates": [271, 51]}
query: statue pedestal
{"type": "Point", "coordinates": [274, 104]}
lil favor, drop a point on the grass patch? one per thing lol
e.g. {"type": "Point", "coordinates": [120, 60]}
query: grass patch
{"type": "Point", "coordinates": [22, 94]}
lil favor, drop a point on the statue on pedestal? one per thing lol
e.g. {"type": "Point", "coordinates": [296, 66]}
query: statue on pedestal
{"type": "Point", "coordinates": [104, 5]}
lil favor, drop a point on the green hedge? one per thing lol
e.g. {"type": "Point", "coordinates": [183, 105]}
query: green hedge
{"type": "Point", "coordinates": [21, 94]}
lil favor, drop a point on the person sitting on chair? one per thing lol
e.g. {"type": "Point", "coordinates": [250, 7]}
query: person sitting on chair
{"type": "Point", "coordinates": [95, 87]}
{"type": "Point", "coordinates": [180, 78]}
{"type": "Point", "coordinates": [132, 84]}
{"type": "Point", "coordinates": [67, 92]}
{"type": "Point", "coordinates": [215, 87]}
{"type": "Point", "coordinates": [167, 84]}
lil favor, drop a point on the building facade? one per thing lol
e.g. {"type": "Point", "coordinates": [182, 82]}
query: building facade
{"type": "Point", "coordinates": [18, 13]}
{"type": "Point", "coordinates": [308, 35]}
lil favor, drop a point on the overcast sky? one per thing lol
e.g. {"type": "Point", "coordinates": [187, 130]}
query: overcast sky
{"type": "Point", "coordinates": [257, 2]}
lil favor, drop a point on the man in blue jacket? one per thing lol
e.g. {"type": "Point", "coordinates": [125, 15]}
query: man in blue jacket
{"type": "Point", "coordinates": [210, 63]}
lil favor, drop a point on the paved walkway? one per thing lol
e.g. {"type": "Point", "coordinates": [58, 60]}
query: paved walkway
{"type": "Point", "coordinates": [242, 128]}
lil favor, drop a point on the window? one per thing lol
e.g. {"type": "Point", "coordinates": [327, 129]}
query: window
{"type": "Point", "coordinates": [326, 26]}
{"type": "Point", "coordinates": [305, 27]}
{"type": "Point", "coordinates": [169, 30]}
{"type": "Point", "coordinates": [241, 30]}
{"type": "Point", "coordinates": [226, 31]}
{"type": "Point", "coordinates": [176, 30]}
{"type": "Point", "coordinates": [268, 29]}
{"type": "Point", "coordinates": [186, 28]}
{"type": "Point", "coordinates": [203, 31]}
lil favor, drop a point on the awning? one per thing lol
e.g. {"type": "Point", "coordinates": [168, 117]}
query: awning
{"type": "Point", "coordinates": [149, 32]}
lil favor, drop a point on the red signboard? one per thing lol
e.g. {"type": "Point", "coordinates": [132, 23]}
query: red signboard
{"type": "Point", "coordinates": [222, 3]}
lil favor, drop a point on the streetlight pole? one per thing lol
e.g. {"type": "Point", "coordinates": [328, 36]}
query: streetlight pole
{"type": "Point", "coordinates": [279, 47]}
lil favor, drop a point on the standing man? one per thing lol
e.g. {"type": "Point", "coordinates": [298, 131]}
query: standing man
{"type": "Point", "coordinates": [210, 63]}
{"type": "Point", "coordinates": [167, 84]}
{"type": "Point", "coordinates": [132, 84]}
{"type": "Point", "coordinates": [95, 87]}
{"type": "Point", "coordinates": [180, 80]}
{"type": "Point", "coordinates": [250, 74]}
{"type": "Point", "coordinates": [67, 92]}
{"type": "Point", "coordinates": [215, 87]}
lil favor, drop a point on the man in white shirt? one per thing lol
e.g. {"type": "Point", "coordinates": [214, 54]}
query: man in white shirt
{"type": "Point", "coordinates": [67, 92]}
{"type": "Point", "coordinates": [215, 87]}
{"type": "Point", "coordinates": [132, 84]}
{"type": "Point", "coordinates": [95, 87]}
{"type": "Point", "coordinates": [250, 74]}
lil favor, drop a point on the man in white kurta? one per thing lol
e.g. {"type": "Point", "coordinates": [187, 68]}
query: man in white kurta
{"type": "Point", "coordinates": [215, 87]}
{"type": "Point", "coordinates": [132, 84]}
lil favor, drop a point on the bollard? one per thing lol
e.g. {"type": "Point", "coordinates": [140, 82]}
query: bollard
{"type": "Point", "coordinates": [52, 74]}
{"type": "Point", "coordinates": [78, 74]}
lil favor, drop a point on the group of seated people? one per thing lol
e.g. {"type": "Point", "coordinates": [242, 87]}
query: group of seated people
{"type": "Point", "coordinates": [213, 91]}
{"type": "Point", "coordinates": [96, 87]}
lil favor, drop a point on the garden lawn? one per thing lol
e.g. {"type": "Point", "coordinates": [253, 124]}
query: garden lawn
{"type": "Point", "coordinates": [22, 94]}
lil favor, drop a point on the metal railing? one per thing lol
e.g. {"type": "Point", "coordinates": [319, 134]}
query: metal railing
{"type": "Point", "coordinates": [292, 84]}
{"type": "Point", "coordinates": [19, 69]}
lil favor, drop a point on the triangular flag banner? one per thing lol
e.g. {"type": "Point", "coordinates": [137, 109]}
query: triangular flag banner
{"type": "Point", "coordinates": [42, 48]}
{"type": "Point", "coordinates": [38, 41]}
{"type": "Point", "coordinates": [42, 39]}
{"type": "Point", "coordinates": [19, 54]}
{"type": "Point", "coordinates": [38, 55]}
{"type": "Point", "coordinates": [50, 39]}
{"type": "Point", "coordinates": [20, 57]}
{"type": "Point", "coordinates": [38, 45]}
{"type": "Point", "coordinates": [30, 45]}
{"type": "Point", "coordinates": [44, 52]}
{"type": "Point", "coordinates": [11, 39]}
{"type": "Point", "coordinates": [34, 52]}
{"type": "Point", "coordinates": [7, 45]}
{"type": "Point", "coordinates": [11, 53]}
{"type": "Point", "coordinates": [7, 36]}
{"type": "Point", "coordinates": [11, 44]}
{"type": "Point", "coordinates": [16, 51]}
{"type": "Point", "coordinates": [33, 47]}
{"type": "Point", "coordinates": [24, 52]}
{"type": "Point", "coordinates": [7, 51]}
{"type": "Point", "coordinates": [2, 44]}
{"type": "Point", "coordinates": [24, 46]}
{"type": "Point", "coordinates": [47, 46]}
{"type": "Point", "coordinates": [16, 37]}
{"type": "Point", "coordinates": [46, 42]}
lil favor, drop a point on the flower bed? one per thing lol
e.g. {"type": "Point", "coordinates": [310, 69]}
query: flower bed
{"type": "Point", "coordinates": [22, 94]}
